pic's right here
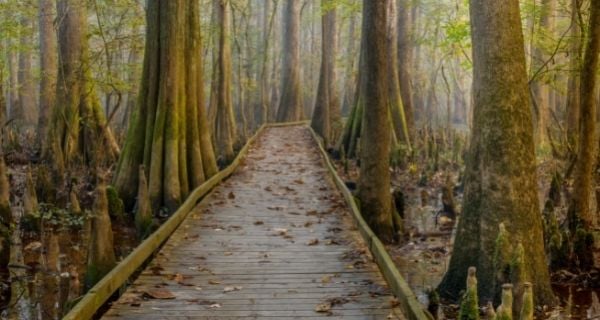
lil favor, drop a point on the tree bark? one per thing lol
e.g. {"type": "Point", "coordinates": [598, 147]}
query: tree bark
{"type": "Point", "coordinates": [405, 62]}
{"type": "Point", "coordinates": [582, 205]}
{"type": "Point", "coordinates": [26, 115]}
{"type": "Point", "coordinates": [48, 64]}
{"type": "Point", "coordinates": [573, 96]}
{"type": "Point", "coordinates": [225, 129]}
{"type": "Point", "coordinates": [169, 133]}
{"type": "Point", "coordinates": [398, 116]}
{"type": "Point", "coordinates": [539, 87]}
{"type": "Point", "coordinates": [374, 182]}
{"type": "Point", "coordinates": [290, 104]}
{"type": "Point", "coordinates": [322, 118]}
{"type": "Point", "coordinates": [78, 131]}
{"type": "Point", "coordinates": [500, 179]}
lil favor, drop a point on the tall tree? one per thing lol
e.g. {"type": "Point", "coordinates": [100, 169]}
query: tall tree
{"type": "Point", "coordinates": [374, 181]}
{"type": "Point", "coordinates": [575, 49]}
{"type": "Point", "coordinates": [290, 104]}
{"type": "Point", "coordinates": [225, 129]}
{"type": "Point", "coordinates": [540, 90]}
{"type": "Point", "coordinates": [500, 179]}
{"type": "Point", "coordinates": [78, 128]}
{"type": "Point", "coordinates": [169, 133]}
{"type": "Point", "coordinates": [26, 112]}
{"type": "Point", "coordinates": [405, 62]}
{"type": "Point", "coordinates": [581, 215]}
{"type": "Point", "coordinates": [48, 63]}
{"type": "Point", "coordinates": [323, 111]}
{"type": "Point", "coordinates": [395, 98]}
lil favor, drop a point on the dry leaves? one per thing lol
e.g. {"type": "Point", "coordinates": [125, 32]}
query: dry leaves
{"type": "Point", "coordinates": [313, 242]}
{"type": "Point", "coordinates": [232, 288]}
{"type": "Point", "coordinates": [160, 293]}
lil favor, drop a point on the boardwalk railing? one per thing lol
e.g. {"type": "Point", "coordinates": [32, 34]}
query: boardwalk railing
{"type": "Point", "coordinates": [411, 307]}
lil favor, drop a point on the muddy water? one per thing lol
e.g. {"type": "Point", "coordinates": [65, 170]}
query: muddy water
{"type": "Point", "coordinates": [45, 276]}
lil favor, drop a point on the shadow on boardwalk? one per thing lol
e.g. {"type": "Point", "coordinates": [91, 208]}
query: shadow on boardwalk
{"type": "Point", "coordinates": [274, 241]}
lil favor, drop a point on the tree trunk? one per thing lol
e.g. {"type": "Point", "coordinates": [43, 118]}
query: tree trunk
{"type": "Point", "coordinates": [573, 95]}
{"type": "Point", "coordinates": [500, 179]}
{"type": "Point", "coordinates": [225, 129]}
{"type": "Point", "coordinates": [397, 113]}
{"type": "Point", "coordinates": [405, 62]}
{"type": "Point", "coordinates": [323, 114]}
{"type": "Point", "coordinates": [582, 212]}
{"type": "Point", "coordinates": [26, 114]}
{"type": "Point", "coordinates": [169, 133]}
{"type": "Point", "coordinates": [374, 182]}
{"type": "Point", "coordinates": [48, 64]}
{"type": "Point", "coordinates": [78, 129]}
{"type": "Point", "coordinates": [290, 104]}
{"type": "Point", "coordinates": [540, 90]}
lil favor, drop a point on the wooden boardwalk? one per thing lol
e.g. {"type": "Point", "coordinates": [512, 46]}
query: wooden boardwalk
{"type": "Point", "coordinates": [274, 241]}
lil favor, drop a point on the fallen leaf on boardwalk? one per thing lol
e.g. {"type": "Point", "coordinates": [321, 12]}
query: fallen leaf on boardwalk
{"type": "Point", "coordinates": [156, 270]}
{"type": "Point", "coordinates": [131, 300]}
{"type": "Point", "coordinates": [312, 213]}
{"type": "Point", "coordinates": [326, 279]}
{"type": "Point", "coordinates": [159, 294]}
{"type": "Point", "coordinates": [258, 223]}
{"type": "Point", "coordinates": [178, 278]}
{"type": "Point", "coordinates": [280, 231]}
{"type": "Point", "coordinates": [33, 246]}
{"type": "Point", "coordinates": [338, 301]}
{"type": "Point", "coordinates": [268, 188]}
{"type": "Point", "coordinates": [228, 253]}
{"type": "Point", "coordinates": [202, 302]}
{"type": "Point", "coordinates": [313, 242]}
{"type": "Point", "coordinates": [323, 307]}
{"type": "Point", "coordinates": [215, 306]}
{"type": "Point", "coordinates": [214, 282]}
{"type": "Point", "coordinates": [231, 195]}
{"type": "Point", "coordinates": [299, 181]}
{"type": "Point", "coordinates": [232, 288]}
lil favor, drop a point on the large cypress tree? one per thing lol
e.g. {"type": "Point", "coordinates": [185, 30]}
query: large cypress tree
{"type": "Point", "coordinates": [500, 176]}
{"type": "Point", "coordinates": [169, 134]}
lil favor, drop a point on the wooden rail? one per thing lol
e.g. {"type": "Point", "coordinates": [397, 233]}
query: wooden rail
{"type": "Point", "coordinates": [408, 301]}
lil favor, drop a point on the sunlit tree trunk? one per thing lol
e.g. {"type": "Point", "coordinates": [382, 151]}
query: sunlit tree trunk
{"type": "Point", "coordinates": [374, 182]}
{"type": "Point", "coordinates": [500, 179]}
{"type": "Point", "coordinates": [169, 132]}
{"type": "Point", "coordinates": [48, 64]}
{"type": "Point", "coordinates": [290, 104]}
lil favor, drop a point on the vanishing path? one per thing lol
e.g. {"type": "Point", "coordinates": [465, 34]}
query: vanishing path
{"type": "Point", "coordinates": [274, 241]}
